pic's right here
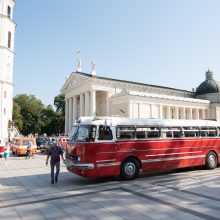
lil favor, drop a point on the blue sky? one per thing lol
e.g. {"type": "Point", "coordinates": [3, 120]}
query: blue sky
{"type": "Point", "coordinates": [167, 43]}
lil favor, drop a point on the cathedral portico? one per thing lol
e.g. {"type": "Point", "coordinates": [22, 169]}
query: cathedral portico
{"type": "Point", "coordinates": [100, 96]}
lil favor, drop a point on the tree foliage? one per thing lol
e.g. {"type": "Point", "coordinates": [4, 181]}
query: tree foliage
{"type": "Point", "coordinates": [59, 102]}
{"type": "Point", "coordinates": [17, 117]}
{"type": "Point", "coordinates": [31, 116]}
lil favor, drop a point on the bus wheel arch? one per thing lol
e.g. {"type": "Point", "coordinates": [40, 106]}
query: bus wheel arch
{"type": "Point", "coordinates": [211, 160]}
{"type": "Point", "coordinates": [130, 168]}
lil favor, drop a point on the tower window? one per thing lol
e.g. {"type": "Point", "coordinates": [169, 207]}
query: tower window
{"type": "Point", "coordinates": [4, 111]}
{"type": "Point", "coordinates": [9, 39]}
{"type": "Point", "coordinates": [9, 12]}
{"type": "Point", "coordinates": [5, 94]}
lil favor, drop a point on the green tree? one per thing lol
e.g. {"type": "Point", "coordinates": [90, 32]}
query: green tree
{"type": "Point", "coordinates": [17, 117]}
{"type": "Point", "coordinates": [31, 116]}
{"type": "Point", "coordinates": [30, 109]}
{"type": "Point", "coordinates": [59, 103]}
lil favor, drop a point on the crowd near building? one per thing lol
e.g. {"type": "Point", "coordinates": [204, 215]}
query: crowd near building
{"type": "Point", "coordinates": [87, 94]}
{"type": "Point", "coordinates": [7, 32]}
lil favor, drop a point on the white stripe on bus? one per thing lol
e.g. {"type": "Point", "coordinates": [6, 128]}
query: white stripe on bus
{"type": "Point", "coordinates": [172, 158]}
{"type": "Point", "coordinates": [157, 149]}
{"type": "Point", "coordinates": [109, 164]}
{"type": "Point", "coordinates": [153, 155]}
{"type": "Point", "coordinates": [105, 160]}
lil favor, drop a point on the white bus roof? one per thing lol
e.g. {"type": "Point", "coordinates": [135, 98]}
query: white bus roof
{"type": "Point", "coordinates": [114, 121]}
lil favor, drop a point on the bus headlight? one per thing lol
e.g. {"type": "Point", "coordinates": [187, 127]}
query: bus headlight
{"type": "Point", "coordinates": [79, 159]}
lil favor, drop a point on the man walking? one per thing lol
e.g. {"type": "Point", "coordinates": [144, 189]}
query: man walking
{"type": "Point", "coordinates": [54, 152]}
{"type": "Point", "coordinates": [29, 150]}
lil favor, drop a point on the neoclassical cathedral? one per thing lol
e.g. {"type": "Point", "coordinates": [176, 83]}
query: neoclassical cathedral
{"type": "Point", "coordinates": [93, 95]}
{"type": "Point", "coordinates": [7, 32]}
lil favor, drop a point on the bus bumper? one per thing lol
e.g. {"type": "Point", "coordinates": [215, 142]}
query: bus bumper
{"type": "Point", "coordinates": [82, 166]}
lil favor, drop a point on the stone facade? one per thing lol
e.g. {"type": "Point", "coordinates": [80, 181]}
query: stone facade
{"type": "Point", "coordinates": [7, 31]}
{"type": "Point", "coordinates": [91, 95]}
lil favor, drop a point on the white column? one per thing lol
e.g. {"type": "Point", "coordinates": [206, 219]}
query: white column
{"type": "Point", "coordinates": [203, 114]}
{"type": "Point", "coordinates": [87, 104]}
{"type": "Point", "coordinates": [197, 113]}
{"type": "Point", "coordinates": [151, 111]}
{"type": "Point", "coordinates": [176, 112]}
{"type": "Point", "coordinates": [74, 108]}
{"type": "Point", "coordinates": [93, 103]}
{"type": "Point", "coordinates": [161, 112]}
{"type": "Point", "coordinates": [82, 105]}
{"type": "Point", "coordinates": [66, 116]}
{"type": "Point", "coordinates": [183, 115]}
{"type": "Point", "coordinates": [190, 113]}
{"type": "Point", "coordinates": [70, 113]}
{"type": "Point", "coordinates": [168, 112]}
{"type": "Point", "coordinates": [107, 104]}
{"type": "Point", "coordinates": [129, 112]}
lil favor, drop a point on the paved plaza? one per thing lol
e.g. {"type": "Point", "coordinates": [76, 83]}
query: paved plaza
{"type": "Point", "coordinates": [26, 193]}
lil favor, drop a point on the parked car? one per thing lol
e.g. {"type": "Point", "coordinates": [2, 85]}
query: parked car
{"type": "Point", "coordinates": [19, 145]}
{"type": "Point", "coordinates": [2, 146]}
{"type": "Point", "coordinates": [41, 141]}
{"type": "Point", "coordinates": [44, 147]}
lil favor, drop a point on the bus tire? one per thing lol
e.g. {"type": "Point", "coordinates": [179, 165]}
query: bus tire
{"type": "Point", "coordinates": [211, 160]}
{"type": "Point", "coordinates": [130, 169]}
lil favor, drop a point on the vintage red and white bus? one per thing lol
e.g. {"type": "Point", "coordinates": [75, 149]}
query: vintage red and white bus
{"type": "Point", "coordinates": [111, 146]}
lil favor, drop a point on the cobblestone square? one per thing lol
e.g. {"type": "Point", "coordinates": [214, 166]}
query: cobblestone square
{"type": "Point", "coordinates": [26, 193]}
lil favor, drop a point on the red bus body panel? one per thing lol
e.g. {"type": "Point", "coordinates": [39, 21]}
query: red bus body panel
{"type": "Point", "coordinates": [153, 155]}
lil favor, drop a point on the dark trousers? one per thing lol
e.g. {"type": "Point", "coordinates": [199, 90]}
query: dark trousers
{"type": "Point", "coordinates": [54, 164]}
{"type": "Point", "coordinates": [28, 154]}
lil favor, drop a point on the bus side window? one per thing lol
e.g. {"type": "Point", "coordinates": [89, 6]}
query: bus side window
{"type": "Point", "coordinates": [105, 133]}
{"type": "Point", "coordinates": [141, 132]}
{"type": "Point", "coordinates": [218, 131]}
{"type": "Point", "coordinates": [153, 132]}
{"type": "Point", "coordinates": [101, 132]}
{"type": "Point", "coordinates": [170, 132]}
{"type": "Point", "coordinates": [125, 132]}
{"type": "Point", "coordinates": [108, 133]}
{"type": "Point", "coordinates": [191, 131]}
{"type": "Point", "coordinates": [210, 131]}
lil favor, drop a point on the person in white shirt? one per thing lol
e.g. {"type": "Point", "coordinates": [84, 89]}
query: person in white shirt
{"type": "Point", "coordinates": [6, 152]}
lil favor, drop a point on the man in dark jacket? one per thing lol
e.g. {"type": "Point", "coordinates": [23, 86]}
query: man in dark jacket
{"type": "Point", "coordinates": [54, 152]}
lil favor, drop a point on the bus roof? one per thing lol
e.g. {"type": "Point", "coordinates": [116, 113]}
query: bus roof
{"type": "Point", "coordinates": [114, 121]}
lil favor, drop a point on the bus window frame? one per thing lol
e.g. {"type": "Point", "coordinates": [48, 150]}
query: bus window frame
{"type": "Point", "coordinates": [208, 131]}
{"type": "Point", "coordinates": [165, 129]}
{"type": "Point", "coordinates": [156, 129]}
{"type": "Point", "coordinates": [111, 130]}
{"type": "Point", "coordinates": [189, 130]}
{"type": "Point", "coordinates": [124, 126]}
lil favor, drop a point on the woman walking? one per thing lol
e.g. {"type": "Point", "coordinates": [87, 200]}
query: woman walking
{"type": "Point", "coordinates": [6, 152]}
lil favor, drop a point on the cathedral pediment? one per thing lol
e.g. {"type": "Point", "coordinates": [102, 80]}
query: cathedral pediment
{"type": "Point", "coordinates": [74, 80]}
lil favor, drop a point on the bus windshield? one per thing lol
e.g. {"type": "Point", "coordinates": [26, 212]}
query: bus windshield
{"type": "Point", "coordinates": [83, 133]}
{"type": "Point", "coordinates": [73, 133]}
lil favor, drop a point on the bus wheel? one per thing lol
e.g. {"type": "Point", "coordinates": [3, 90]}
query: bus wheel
{"type": "Point", "coordinates": [211, 161]}
{"type": "Point", "coordinates": [130, 169]}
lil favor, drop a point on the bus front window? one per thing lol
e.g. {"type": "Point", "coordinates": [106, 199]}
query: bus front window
{"type": "Point", "coordinates": [73, 133]}
{"type": "Point", "coordinates": [86, 133]}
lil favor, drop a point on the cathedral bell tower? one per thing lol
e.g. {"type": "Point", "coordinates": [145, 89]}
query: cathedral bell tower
{"type": "Point", "coordinates": [7, 32]}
